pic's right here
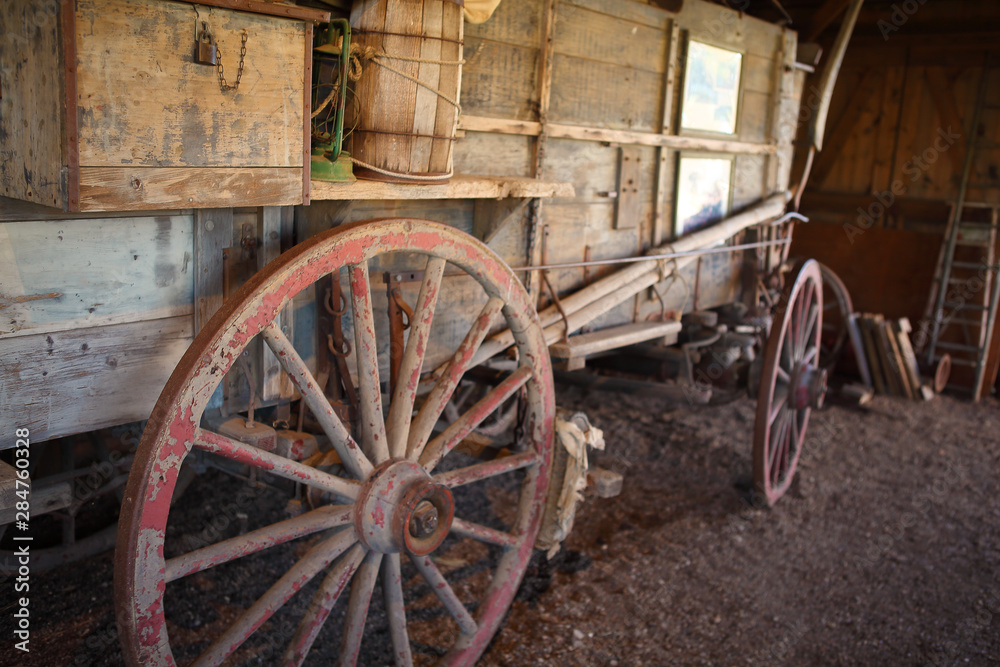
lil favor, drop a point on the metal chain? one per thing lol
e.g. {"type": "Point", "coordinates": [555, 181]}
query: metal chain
{"type": "Point", "coordinates": [239, 73]}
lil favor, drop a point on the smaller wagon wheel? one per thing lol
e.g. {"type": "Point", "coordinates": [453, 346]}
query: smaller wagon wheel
{"type": "Point", "coordinates": [791, 384]}
{"type": "Point", "coordinates": [837, 309]}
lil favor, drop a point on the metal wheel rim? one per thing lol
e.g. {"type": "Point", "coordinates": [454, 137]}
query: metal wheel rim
{"type": "Point", "coordinates": [792, 350]}
{"type": "Point", "coordinates": [140, 573]}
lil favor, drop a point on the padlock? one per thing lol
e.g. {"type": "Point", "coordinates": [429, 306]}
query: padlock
{"type": "Point", "coordinates": [204, 48]}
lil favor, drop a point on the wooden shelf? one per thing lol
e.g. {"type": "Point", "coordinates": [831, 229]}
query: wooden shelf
{"type": "Point", "coordinates": [459, 187]}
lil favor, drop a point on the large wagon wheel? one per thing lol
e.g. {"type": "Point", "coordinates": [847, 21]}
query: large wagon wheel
{"type": "Point", "coordinates": [791, 384]}
{"type": "Point", "coordinates": [391, 502]}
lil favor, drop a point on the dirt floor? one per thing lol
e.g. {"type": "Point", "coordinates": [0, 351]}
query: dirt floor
{"type": "Point", "coordinates": [886, 551]}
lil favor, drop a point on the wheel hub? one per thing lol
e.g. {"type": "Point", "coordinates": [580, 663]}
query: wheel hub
{"type": "Point", "coordinates": [402, 509]}
{"type": "Point", "coordinates": [809, 384]}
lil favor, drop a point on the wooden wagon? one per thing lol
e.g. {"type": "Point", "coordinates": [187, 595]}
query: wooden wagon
{"type": "Point", "coordinates": [166, 257]}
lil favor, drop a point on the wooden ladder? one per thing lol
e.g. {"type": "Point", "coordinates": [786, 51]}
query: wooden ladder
{"type": "Point", "coordinates": [971, 310]}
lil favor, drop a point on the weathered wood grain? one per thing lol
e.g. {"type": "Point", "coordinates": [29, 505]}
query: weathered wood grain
{"type": "Point", "coordinates": [600, 95]}
{"type": "Point", "coordinates": [70, 274]}
{"type": "Point", "coordinates": [213, 231]}
{"type": "Point", "coordinates": [459, 187]}
{"type": "Point", "coordinates": [32, 115]}
{"type": "Point", "coordinates": [74, 381]}
{"type": "Point", "coordinates": [152, 188]}
{"type": "Point", "coordinates": [587, 34]}
{"type": "Point", "coordinates": [145, 102]}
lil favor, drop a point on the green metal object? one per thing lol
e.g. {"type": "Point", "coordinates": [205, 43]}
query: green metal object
{"type": "Point", "coordinates": [327, 168]}
{"type": "Point", "coordinates": [332, 47]}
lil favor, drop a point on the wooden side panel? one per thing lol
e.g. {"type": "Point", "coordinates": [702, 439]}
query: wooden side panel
{"type": "Point", "coordinates": [584, 33]}
{"type": "Point", "coordinates": [596, 94]}
{"type": "Point", "coordinates": [499, 79]}
{"type": "Point", "coordinates": [31, 103]}
{"type": "Point", "coordinates": [487, 154]}
{"type": "Point", "coordinates": [153, 188]}
{"type": "Point", "coordinates": [68, 274]}
{"type": "Point", "coordinates": [74, 381]}
{"type": "Point", "coordinates": [144, 101]}
{"type": "Point", "coordinates": [501, 63]}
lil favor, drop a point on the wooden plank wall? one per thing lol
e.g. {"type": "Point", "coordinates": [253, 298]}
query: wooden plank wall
{"type": "Point", "coordinates": [899, 129]}
{"type": "Point", "coordinates": [610, 69]}
{"type": "Point", "coordinates": [95, 313]}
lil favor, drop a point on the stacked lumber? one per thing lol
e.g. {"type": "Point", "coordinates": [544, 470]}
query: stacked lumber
{"type": "Point", "coordinates": [889, 357]}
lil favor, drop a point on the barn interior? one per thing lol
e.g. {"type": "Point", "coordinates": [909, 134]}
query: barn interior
{"type": "Point", "coordinates": [564, 332]}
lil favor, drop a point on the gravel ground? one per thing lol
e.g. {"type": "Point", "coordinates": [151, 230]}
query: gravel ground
{"type": "Point", "coordinates": [886, 551]}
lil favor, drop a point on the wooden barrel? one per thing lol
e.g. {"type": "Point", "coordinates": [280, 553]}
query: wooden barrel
{"type": "Point", "coordinates": [405, 129]}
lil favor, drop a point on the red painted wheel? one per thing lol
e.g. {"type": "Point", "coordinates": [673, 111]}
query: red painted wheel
{"type": "Point", "coordinates": [791, 384]}
{"type": "Point", "coordinates": [397, 500]}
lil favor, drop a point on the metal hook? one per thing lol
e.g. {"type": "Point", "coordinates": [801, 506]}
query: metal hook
{"type": "Point", "coordinates": [333, 348]}
{"type": "Point", "coordinates": [329, 304]}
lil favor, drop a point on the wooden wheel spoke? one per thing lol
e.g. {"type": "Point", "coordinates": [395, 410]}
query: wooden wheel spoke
{"type": "Point", "coordinates": [779, 401]}
{"type": "Point", "coordinates": [777, 435]}
{"type": "Point", "coordinates": [787, 357]}
{"type": "Point", "coordinates": [321, 604]}
{"type": "Point", "coordinates": [482, 533]}
{"type": "Point", "coordinates": [440, 446]}
{"type": "Point", "coordinates": [425, 420]}
{"type": "Point", "coordinates": [405, 391]}
{"type": "Point", "coordinates": [481, 471]}
{"type": "Point", "coordinates": [317, 558]}
{"type": "Point", "coordinates": [366, 347]}
{"type": "Point", "coordinates": [811, 324]}
{"type": "Point", "coordinates": [795, 432]}
{"type": "Point", "coordinates": [276, 465]}
{"type": "Point", "coordinates": [352, 456]}
{"type": "Point", "coordinates": [810, 355]}
{"type": "Point", "coordinates": [804, 309]}
{"type": "Point", "coordinates": [357, 608]}
{"type": "Point", "coordinates": [783, 374]}
{"type": "Point", "coordinates": [392, 588]}
{"type": "Point", "coordinates": [328, 516]}
{"type": "Point", "coordinates": [445, 593]}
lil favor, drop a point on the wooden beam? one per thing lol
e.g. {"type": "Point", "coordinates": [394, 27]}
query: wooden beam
{"type": "Point", "coordinates": [269, 8]}
{"type": "Point", "coordinates": [828, 79]}
{"type": "Point", "coordinates": [823, 18]}
{"type": "Point", "coordinates": [156, 188]}
{"type": "Point", "coordinates": [458, 187]}
{"type": "Point", "coordinates": [213, 231]}
{"type": "Point", "coordinates": [664, 171]}
{"type": "Point", "coordinates": [844, 126]}
{"type": "Point", "coordinates": [613, 338]}
{"type": "Point", "coordinates": [583, 133]}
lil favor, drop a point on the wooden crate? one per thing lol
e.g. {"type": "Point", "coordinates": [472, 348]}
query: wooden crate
{"type": "Point", "coordinates": [103, 108]}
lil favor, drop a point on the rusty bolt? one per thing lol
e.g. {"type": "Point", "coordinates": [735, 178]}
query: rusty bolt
{"type": "Point", "coordinates": [424, 520]}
